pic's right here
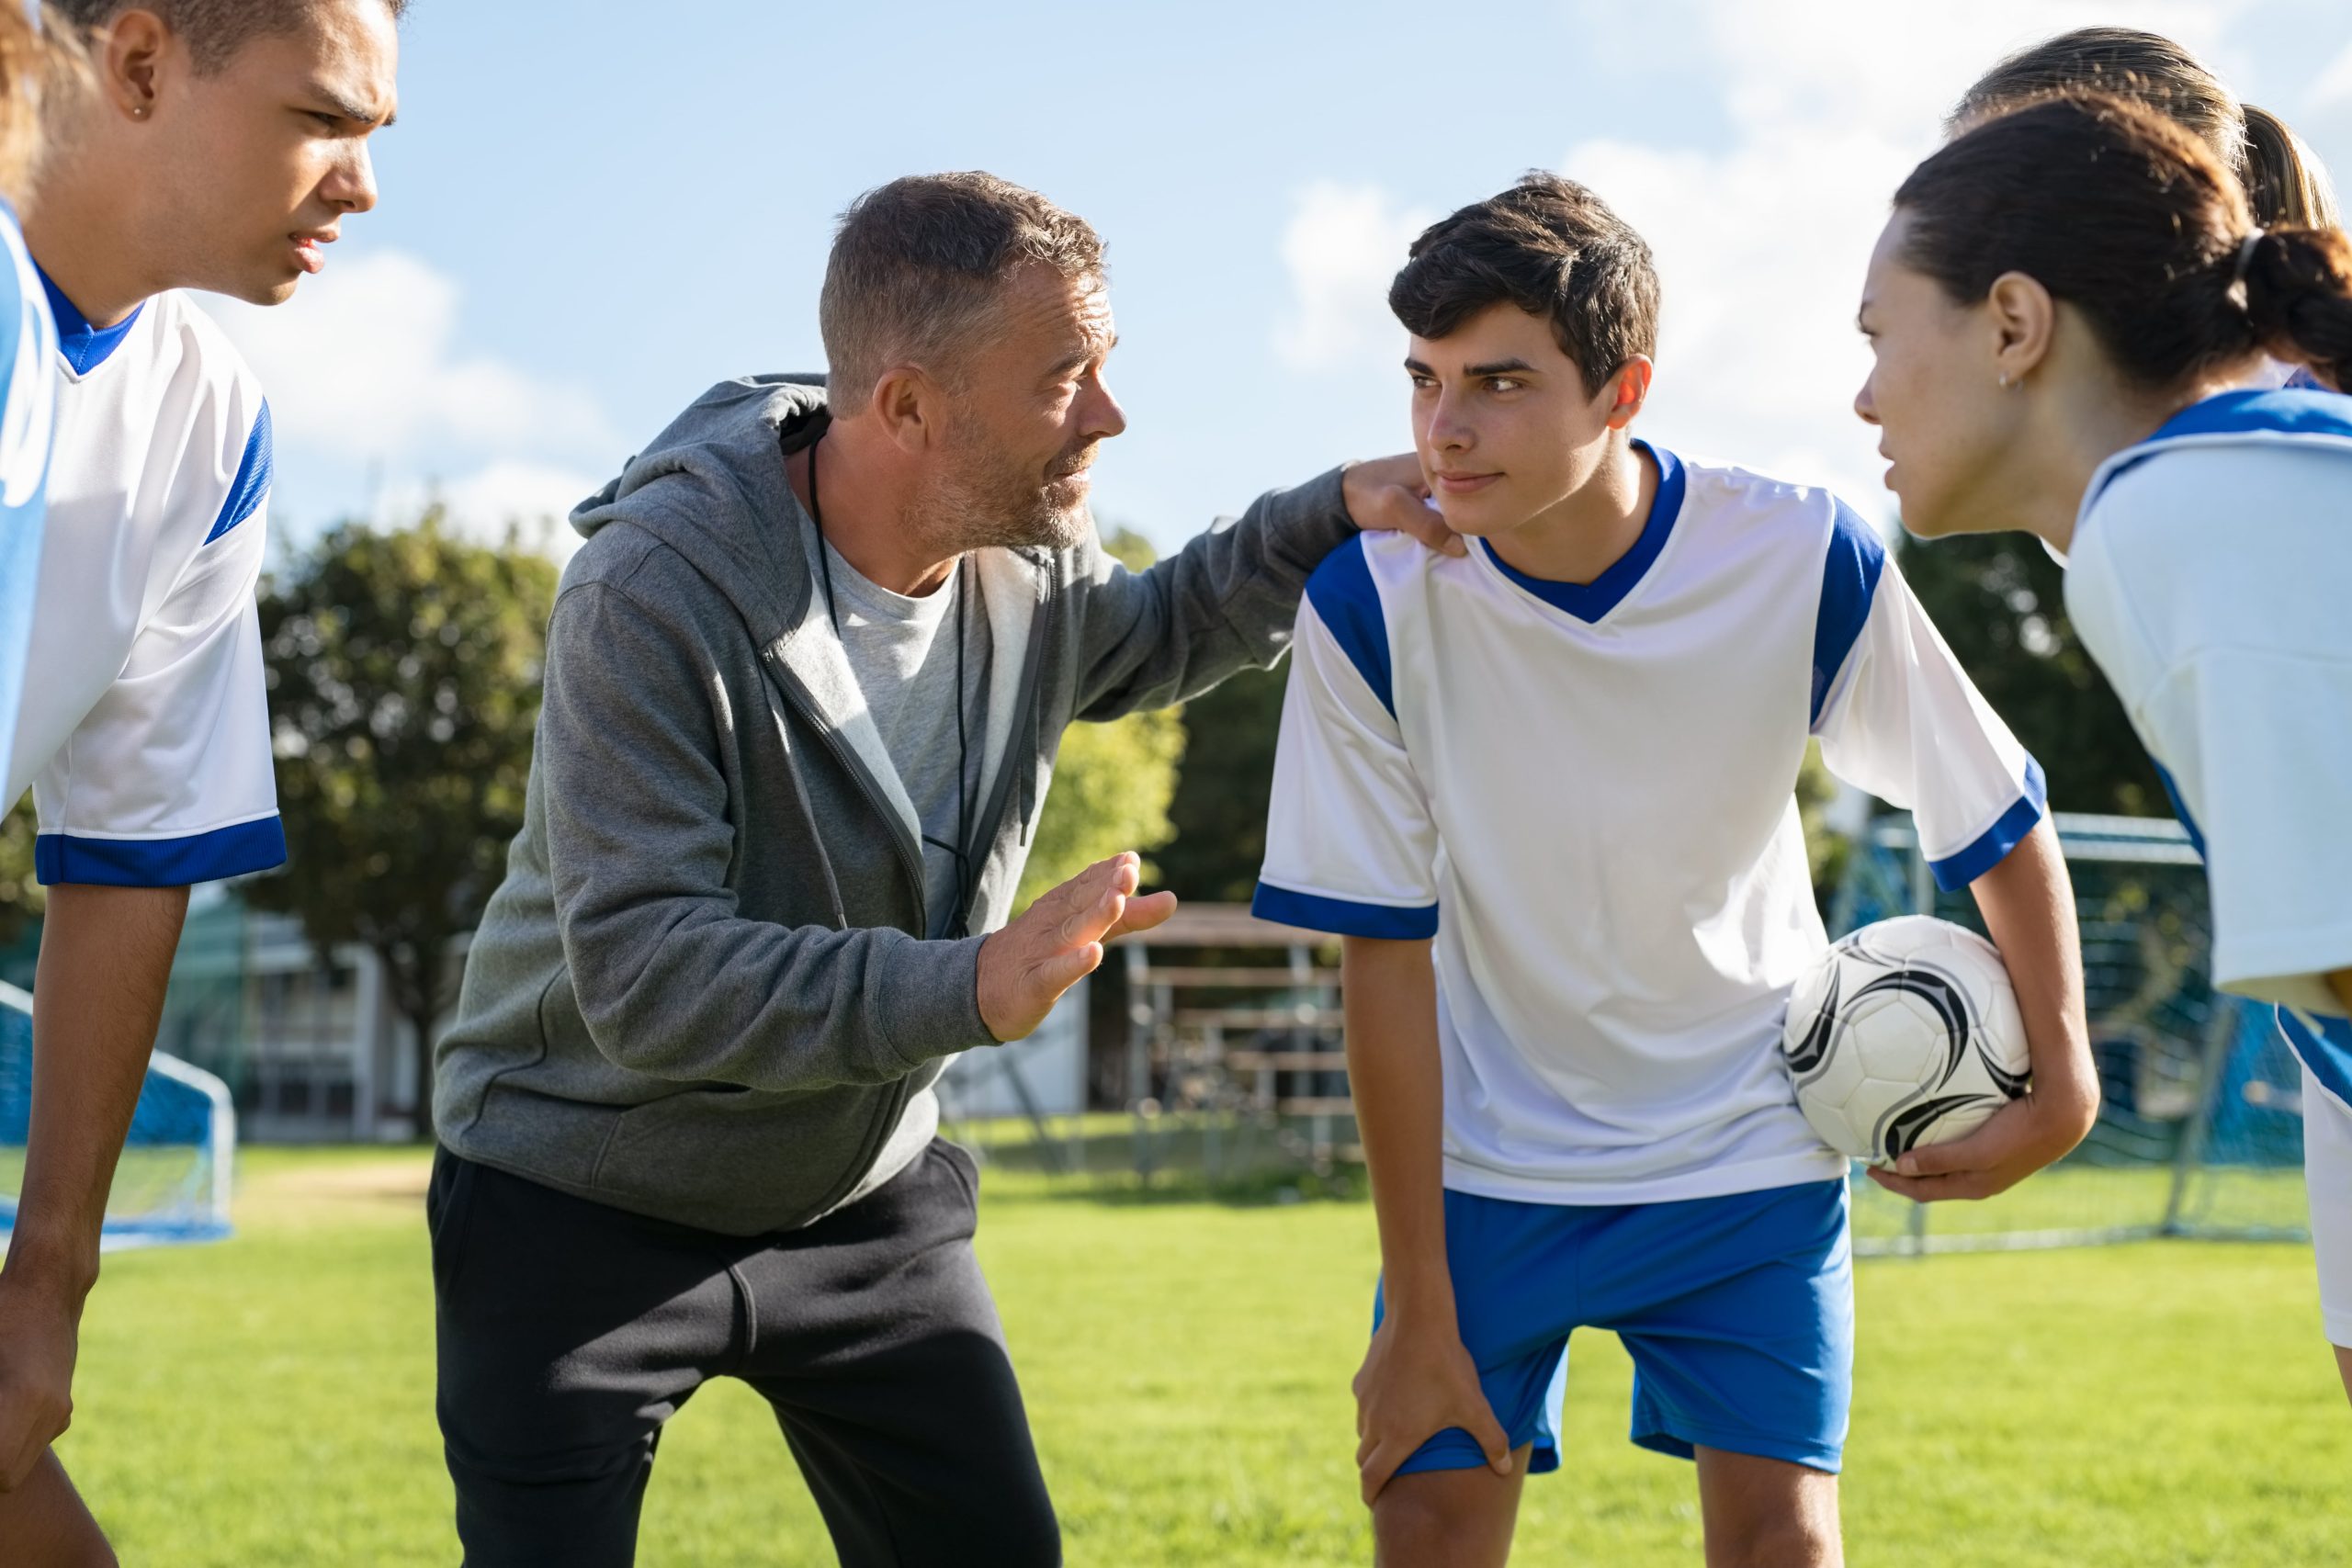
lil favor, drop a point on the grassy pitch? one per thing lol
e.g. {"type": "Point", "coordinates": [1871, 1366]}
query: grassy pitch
{"type": "Point", "coordinates": [269, 1400]}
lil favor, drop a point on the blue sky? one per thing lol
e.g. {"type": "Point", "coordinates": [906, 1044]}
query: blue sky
{"type": "Point", "coordinates": [592, 211]}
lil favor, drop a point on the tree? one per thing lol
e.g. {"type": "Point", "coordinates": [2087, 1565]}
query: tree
{"type": "Point", "coordinates": [1222, 790]}
{"type": "Point", "coordinates": [21, 901]}
{"type": "Point", "coordinates": [405, 675]}
{"type": "Point", "coordinates": [1111, 781]}
{"type": "Point", "coordinates": [1999, 601]}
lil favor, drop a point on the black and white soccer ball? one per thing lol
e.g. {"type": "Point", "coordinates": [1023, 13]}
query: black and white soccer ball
{"type": "Point", "coordinates": [1905, 1034]}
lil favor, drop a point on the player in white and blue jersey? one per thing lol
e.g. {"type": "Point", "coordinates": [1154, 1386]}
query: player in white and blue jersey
{"type": "Point", "coordinates": [213, 146]}
{"type": "Point", "coordinates": [27, 393]}
{"type": "Point", "coordinates": [2066, 308]}
{"type": "Point", "coordinates": [1565, 767]}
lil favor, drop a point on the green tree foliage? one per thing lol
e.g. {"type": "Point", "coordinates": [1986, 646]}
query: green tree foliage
{"type": "Point", "coordinates": [20, 896]}
{"type": "Point", "coordinates": [1999, 600]}
{"type": "Point", "coordinates": [1111, 781]}
{"type": "Point", "coordinates": [1219, 811]}
{"type": "Point", "coordinates": [404, 676]}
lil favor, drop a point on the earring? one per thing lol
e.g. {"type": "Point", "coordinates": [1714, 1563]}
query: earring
{"type": "Point", "coordinates": [2004, 381]}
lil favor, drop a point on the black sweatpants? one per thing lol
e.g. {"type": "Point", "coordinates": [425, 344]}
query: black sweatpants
{"type": "Point", "coordinates": [569, 1331]}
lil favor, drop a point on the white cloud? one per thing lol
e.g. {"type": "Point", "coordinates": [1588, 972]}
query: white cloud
{"type": "Point", "coordinates": [1341, 247]}
{"type": "Point", "coordinates": [365, 373]}
{"type": "Point", "coordinates": [1761, 245]}
{"type": "Point", "coordinates": [534, 498]}
{"type": "Point", "coordinates": [365, 365]}
{"type": "Point", "coordinates": [2333, 85]}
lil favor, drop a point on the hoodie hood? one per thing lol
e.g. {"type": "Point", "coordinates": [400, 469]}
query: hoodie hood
{"type": "Point", "coordinates": [712, 487]}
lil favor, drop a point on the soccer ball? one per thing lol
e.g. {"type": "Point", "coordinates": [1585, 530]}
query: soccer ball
{"type": "Point", "coordinates": [1905, 1032]}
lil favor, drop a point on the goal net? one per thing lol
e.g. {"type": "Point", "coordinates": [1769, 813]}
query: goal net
{"type": "Point", "coordinates": [172, 1182]}
{"type": "Point", "coordinates": [2200, 1130]}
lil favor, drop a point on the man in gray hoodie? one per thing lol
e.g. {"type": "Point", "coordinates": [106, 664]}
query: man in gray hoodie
{"type": "Point", "coordinates": [805, 685]}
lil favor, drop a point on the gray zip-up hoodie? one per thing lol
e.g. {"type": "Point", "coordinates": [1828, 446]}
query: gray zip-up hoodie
{"type": "Point", "coordinates": [702, 992]}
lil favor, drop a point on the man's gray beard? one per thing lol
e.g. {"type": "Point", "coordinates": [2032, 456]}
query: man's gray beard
{"type": "Point", "coordinates": [955, 515]}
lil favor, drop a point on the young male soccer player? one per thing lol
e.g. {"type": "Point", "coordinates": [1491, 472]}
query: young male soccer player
{"type": "Point", "coordinates": [217, 145]}
{"type": "Point", "coordinates": [1545, 792]}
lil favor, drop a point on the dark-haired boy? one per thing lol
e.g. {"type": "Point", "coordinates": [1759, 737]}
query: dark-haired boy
{"type": "Point", "coordinates": [213, 145]}
{"type": "Point", "coordinates": [1567, 763]}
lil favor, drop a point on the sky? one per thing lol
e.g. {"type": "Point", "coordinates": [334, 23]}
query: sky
{"type": "Point", "coordinates": [592, 211]}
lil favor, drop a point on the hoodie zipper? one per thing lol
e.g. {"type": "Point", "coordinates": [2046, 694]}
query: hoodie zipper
{"type": "Point", "coordinates": [894, 1105]}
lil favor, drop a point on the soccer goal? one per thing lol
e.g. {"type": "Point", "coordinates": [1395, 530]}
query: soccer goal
{"type": "Point", "coordinates": [173, 1183]}
{"type": "Point", "coordinates": [2200, 1126]}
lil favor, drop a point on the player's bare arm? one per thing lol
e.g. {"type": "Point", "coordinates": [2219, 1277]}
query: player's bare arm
{"type": "Point", "coordinates": [105, 953]}
{"type": "Point", "coordinates": [1416, 1379]}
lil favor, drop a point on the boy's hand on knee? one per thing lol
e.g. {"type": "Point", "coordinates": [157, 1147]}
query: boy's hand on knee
{"type": "Point", "coordinates": [1417, 1382]}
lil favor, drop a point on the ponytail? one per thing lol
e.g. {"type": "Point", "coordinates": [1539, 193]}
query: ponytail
{"type": "Point", "coordinates": [2298, 287]}
{"type": "Point", "coordinates": [2284, 180]}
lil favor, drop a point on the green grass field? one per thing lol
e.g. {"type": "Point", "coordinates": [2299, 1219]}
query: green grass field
{"type": "Point", "coordinates": [269, 1400]}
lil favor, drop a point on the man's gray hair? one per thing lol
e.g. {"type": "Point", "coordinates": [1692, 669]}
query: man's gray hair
{"type": "Point", "coordinates": [919, 268]}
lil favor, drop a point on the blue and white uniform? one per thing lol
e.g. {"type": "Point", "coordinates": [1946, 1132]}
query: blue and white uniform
{"type": "Point", "coordinates": [1585, 795]}
{"type": "Point", "coordinates": [2208, 577]}
{"type": "Point", "coordinates": [144, 730]}
{"type": "Point", "coordinates": [28, 416]}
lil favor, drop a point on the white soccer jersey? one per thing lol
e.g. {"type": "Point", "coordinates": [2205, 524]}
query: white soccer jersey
{"type": "Point", "coordinates": [145, 726]}
{"type": "Point", "coordinates": [28, 414]}
{"type": "Point", "coordinates": [1586, 794]}
{"type": "Point", "coordinates": [2211, 577]}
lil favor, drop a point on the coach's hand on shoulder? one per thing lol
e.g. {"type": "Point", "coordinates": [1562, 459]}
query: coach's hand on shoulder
{"type": "Point", "coordinates": [1058, 941]}
{"type": "Point", "coordinates": [1386, 496]}
{"type": "Point", "coordinates": [39, 1333]}
{"type": "Point", "coordinates": [1416, 1380]}
{"type": "Point", "coordinates": [2015, 1140]}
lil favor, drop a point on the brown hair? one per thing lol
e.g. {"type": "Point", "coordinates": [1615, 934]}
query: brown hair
{"type": "Point", "coordinates": [1551, 248]}
{"type": "Point", "coordinates": [2131, 220]}
{"type": "Point", "coordinates": [215, 30]}
{"type": "Point", "coordinates": [919, 268]}
{"type": "Point", "coordinates": [2284, 180]}
{"type": "Point", "coordinates": [23, 60]}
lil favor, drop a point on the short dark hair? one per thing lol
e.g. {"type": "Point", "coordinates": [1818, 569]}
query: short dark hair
{"type": "Point", "coordinates": [215, 30]}
{"type": "Point", "coordinates": [1551, 248]}
{"type": "Point", "coordinates": [918, 266]}
{"type": "Point", "coordinates": [2130, 218]}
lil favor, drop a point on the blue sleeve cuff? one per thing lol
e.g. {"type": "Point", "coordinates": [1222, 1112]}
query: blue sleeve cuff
{"type": "Point", "coordinates": [1342, 917]}
{"type": "Point", "coordinates": [1957, 870]}
{"type": "Point", "coordinates": [160, 862]}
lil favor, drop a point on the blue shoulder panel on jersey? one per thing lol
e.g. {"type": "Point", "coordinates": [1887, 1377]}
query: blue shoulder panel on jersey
{"type": "Point", "coordinates": [251, 487]}
{"type": "Point", "coordinates": [86, 347]}
{"type": "Point", "coordinates": [1342, 593]}
{"type": "Point", "coordinates": [1849, 576]}
{"type": "Point", "coordinates": [1344, 917]}
{"type": "Point", "coordinates": [1992, 847]}
{"type": "Point", "coordinates": [1589, 601]}
{"type": "Point", "coordinates": [2292, 411]}
{"type": "Point", "coordinates": [160, 862]}
{"type": "Point", "coordinates": [2326, 1050]}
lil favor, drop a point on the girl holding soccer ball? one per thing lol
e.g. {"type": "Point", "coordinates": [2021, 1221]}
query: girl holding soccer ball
{"type": "Point", "coordinates": [2072, 313]}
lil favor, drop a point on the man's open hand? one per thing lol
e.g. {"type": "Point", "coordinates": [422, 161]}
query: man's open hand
{"type": "Point", "coordinates": [1058, 941]}
{"type": "Point", "coordinates": [1386, 496]}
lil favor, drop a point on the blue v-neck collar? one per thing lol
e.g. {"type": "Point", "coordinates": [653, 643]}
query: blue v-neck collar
{"type": "Point", "coordinates": [1588, 602]}
{"type": "Point", "coordinates": [86, 347]}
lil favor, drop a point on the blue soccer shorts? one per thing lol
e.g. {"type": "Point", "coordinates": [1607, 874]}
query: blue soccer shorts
{"type": "Point", "coordinates": [1738, 1313]}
